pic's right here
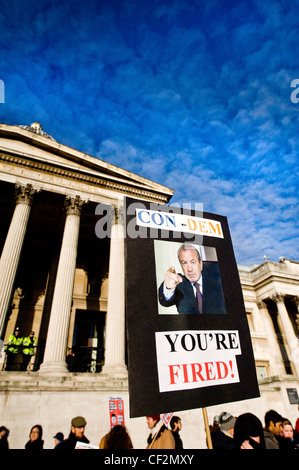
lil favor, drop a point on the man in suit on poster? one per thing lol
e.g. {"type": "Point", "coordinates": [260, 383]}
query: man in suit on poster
{"type": "Point", "coordinates": [198, 290]}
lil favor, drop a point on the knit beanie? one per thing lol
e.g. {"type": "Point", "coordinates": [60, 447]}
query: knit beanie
{"type": "Point", "coordinates": [226, 421]}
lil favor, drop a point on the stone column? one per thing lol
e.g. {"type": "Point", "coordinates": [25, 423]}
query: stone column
{"type": "Point", "coordinates": [56, 344]}
{"type": "Point", "coordinates": [13, 246]}
{"type": "Point", "coordinates": [288, 329]}
{"type": "Point", "coordinates": [295, 300]}
{"type": "Point", "coordinates": [115, 322]}
{"type": "Point", "coordinates": [276, 366]}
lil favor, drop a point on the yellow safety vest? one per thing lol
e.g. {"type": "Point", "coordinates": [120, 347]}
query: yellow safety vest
{"type": "Point", "coordinates": [13, 344]}
{"type": "Point", "coordinates": [30, 345]}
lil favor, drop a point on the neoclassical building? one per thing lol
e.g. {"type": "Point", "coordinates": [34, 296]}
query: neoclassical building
{"type": "Point", "coordinates": [59, 278]}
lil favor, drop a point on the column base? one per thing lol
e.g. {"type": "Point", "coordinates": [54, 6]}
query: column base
{"type": "Point", "coordinates": [53, 368]}
{"type": "Point", "coordinates": [115, 370]}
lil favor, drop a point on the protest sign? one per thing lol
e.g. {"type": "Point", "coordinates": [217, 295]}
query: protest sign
{"type": "Point", "coordinates": [166, 418]}
{"type": "Point", "coordinates": [189, 346]}
{"type": "Point", "coordinates": [116, 411]}
{"type": "Point", "coordinates": [85, 446]}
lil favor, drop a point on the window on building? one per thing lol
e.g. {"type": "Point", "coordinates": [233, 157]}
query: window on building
{"type": "Point", "coordinates": [262, 369]}
{"type": "Point", "coordinates": [87, 353]}
{"type": "Point", "coordinates": [250, 320]}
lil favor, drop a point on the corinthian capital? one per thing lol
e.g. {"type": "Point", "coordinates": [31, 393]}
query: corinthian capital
{"type": "Point", "coordinates": [74, 205]}
{"type": "Point", "coordinates": [261, 304]}
{"type": "Point", "coordinates": [24, 193]}
{"type": "Point", "coordinates": [117, 214]}
{"type": "Point", "coordinates": [277, 297]}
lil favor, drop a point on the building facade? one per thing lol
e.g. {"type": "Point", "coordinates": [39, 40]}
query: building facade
{"type": "Point", "coordinates": [59, 278]}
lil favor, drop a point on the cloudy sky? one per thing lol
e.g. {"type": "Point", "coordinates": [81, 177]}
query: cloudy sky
{"type": "Point", "coordinates": [193, 94]}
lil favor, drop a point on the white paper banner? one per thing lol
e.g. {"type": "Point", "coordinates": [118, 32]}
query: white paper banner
{"type": "Point", "coordinates": [195, 359]}
{"type": "Point", "coordinates": [178, 223]}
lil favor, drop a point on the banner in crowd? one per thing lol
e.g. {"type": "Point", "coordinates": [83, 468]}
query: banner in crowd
{"type": "Point", "coordinates": [188, 339]}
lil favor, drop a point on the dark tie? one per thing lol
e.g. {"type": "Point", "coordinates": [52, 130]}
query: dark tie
{"type": "Point", "coordinates": [198, 297]}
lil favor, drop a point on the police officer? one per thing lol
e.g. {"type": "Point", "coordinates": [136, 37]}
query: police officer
{"type": "Point", "coordinates": [13, 347]}
{"type": "Point", "coordinates": [29, 343]}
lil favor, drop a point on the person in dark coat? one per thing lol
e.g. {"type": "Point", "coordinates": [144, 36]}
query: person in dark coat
{"type": "Point", "coordinates": [176, 426]}
{"type": "Point", "coordinates": [288, 439]}
{"type": "Point", "coordinates": [117, 438]}
{"type": "Point", "coordinates": [248, 432]}
{"type": "Point", "coordinates": [35, 438]}
{"type": "Point", "coordinates": [273, 428]}
{"type": "Point", "coordinates": [223, 436]}
{"type": "Point", "coordinates": [4, 433]}
{"type": "Point", "coordinates": [76, 434]}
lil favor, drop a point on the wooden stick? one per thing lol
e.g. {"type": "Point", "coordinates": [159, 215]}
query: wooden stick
{"type": "Point", "coordinates": [207, 427]}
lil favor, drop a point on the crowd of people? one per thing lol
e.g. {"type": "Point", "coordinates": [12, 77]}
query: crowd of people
{"type": "Point", "coordinates": [245, 431]}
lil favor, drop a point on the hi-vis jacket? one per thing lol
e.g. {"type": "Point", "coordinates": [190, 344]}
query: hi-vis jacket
{"type": "Point", "coordinates": [14, 344]}
{"type": "Point", "coordinates": [29, 345]}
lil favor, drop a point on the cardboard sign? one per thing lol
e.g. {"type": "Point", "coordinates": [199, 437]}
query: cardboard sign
{"type": "Point", "coordinates": [166, 418]}
{"type": "Point", "coordinates": [189, 343]}
{"type": "Point", "coordinates": [85, 446]}
{"type": "Point", "coordinates": [116, 411]}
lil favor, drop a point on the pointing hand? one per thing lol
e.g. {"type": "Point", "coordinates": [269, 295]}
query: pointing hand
{"type": "Point", "coordinates": [171, 279]}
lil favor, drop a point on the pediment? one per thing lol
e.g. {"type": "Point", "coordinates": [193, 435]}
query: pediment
{"type": "Point", "coordinates": [44, 150]}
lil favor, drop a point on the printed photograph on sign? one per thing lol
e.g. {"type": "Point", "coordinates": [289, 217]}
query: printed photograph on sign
{"type": "Point", "coordinates": [188, 279]}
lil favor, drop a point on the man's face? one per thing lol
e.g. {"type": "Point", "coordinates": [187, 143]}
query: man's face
{"type": "Point", "coordinates": [150, 422]}
{"type": "Point", "coordinates": [79, 432]}
{"type": "Point", "coordinates": [191, 265]}
{"type": "Point", "coordinates": [276, 428]}
{"type": "Point", "coordinates": [178, 426]}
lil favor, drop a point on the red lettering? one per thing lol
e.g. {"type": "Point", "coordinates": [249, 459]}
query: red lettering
{"type": "Point", "coordinates": [209, 372]}
{"type": "Point", "coordinates": [173, 373]}
{"type": "Point", "coordinates": [224, 369]}
{"type": "Point", "coordinates": [185, 373]}
{"type": "Point", "coordinates": [196, 372]}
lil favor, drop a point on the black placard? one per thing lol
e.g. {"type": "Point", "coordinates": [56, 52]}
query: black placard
{"type": "Point", "coordinates": [179, 359]}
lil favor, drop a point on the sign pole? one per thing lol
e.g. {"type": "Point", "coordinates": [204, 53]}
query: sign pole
{"type": "Point", "coordinates": [207, 427]}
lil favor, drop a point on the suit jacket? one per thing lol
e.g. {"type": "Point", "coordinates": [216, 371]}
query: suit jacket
{"type": "Point", "coordinates": [184, 298]}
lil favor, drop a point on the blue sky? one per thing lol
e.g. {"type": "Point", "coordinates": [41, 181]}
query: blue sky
{"type": "Point", "coordinates": [195, 95]}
